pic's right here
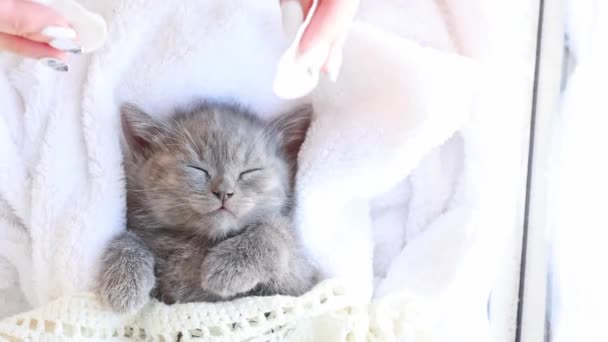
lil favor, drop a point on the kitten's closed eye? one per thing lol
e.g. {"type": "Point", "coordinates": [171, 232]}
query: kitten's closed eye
{"type": "Point", "coordinates": [200, 169]}
{"type": "Point", "coordinates": [249, 172]}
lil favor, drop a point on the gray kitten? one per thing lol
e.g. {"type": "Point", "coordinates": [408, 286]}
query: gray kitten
{"type": "Point", "coordinates": [208, 198]}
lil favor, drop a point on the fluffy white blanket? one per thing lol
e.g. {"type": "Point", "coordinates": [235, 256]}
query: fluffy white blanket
{"type": "Point", "coordinates": [399, 176]}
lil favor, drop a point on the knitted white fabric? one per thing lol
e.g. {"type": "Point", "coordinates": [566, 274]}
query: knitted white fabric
{"type": "Point", "coordinates": [326, 313]}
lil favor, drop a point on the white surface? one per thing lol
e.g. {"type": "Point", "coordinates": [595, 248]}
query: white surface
{"type": "Point", "coordinates": [578, 195]}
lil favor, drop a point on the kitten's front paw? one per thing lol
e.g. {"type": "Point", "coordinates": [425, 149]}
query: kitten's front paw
{"type": "Point", "coordinates": [127, 278]}
{"type": "Point", "coordinates": [124, 297]}
{"type": "Point", "coordinates": [228, 275]}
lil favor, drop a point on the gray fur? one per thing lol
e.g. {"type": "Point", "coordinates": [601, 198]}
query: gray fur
{"type": "Point", "coordinates": [180, 245]}
{"type": "Point", "coordinates": [128, 273]}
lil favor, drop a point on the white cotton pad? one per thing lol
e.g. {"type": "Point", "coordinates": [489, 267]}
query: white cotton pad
{"type": "Point", "coordinates": [90, 27]}
{"type": "Point", "coordinates": [295, 78]}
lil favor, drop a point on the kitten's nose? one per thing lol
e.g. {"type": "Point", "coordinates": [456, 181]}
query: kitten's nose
{"type": "Point", "coordinates": [223, 195]}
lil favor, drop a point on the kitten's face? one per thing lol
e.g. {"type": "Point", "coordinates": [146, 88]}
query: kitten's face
{"type": "Point", "coordinates": [213, 182]}
{"type": "Point", "coordinates": [210, 171]}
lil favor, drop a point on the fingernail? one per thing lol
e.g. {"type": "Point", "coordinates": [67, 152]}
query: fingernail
{"type": "Point", "coordinates": [333, 66]}
{"type": "Point", "coordinates": [292, 17]}
{"type": "Point", "coordinates": [315, 57]}
{"type": "Point", "coordinates": [55, 64]}
{"type": "Point", "coordinates": [59, 32]}
{"type": "Point", "coordinates": [335, 60]}
{"type": "Point", "coordinates": [66, 45]}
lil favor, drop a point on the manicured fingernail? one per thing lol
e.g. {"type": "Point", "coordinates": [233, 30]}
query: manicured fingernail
{"type": "Point", "coordinates": [333, 67]}
{"type": "Point", "coordinates": [315, 57]}
{"type": "Point", "coordinates": [292, 17]}
{"type": "Point", "coordinates": [55, 64]}
{"type": "Point", "coordinates": [66, 45]}
{"type": "Point", "coordinates": [335, 60]}
{"type": "Point", "coordinates": [59, 32]}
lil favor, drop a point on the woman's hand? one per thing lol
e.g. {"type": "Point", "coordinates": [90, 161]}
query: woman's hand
{"type": "Point", "coordinates": [36, 31]}
{"type": "Point", "coordinates": [324, 37]}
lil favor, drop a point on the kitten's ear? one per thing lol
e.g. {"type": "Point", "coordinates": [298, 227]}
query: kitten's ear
{"type": "Point", "coordinates": [140, 129]}
{"type": "Point", "coordinates": [291, 129]}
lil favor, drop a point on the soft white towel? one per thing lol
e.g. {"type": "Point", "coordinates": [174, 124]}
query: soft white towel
{"type": "Point", "coordinates": [374, 126]}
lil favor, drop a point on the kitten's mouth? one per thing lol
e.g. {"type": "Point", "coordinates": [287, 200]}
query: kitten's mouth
{"type": "Point", "coordinates": [224, 210]}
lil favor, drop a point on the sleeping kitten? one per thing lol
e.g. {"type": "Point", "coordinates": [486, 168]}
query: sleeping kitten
{"type": "Point", "coordinates": [208, 200]}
